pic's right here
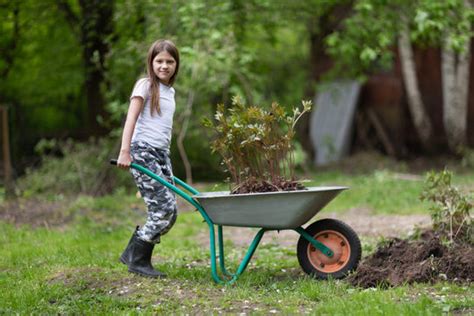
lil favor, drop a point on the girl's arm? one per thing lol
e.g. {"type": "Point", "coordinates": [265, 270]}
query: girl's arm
{"type": "Point", "coordinates": [124, 159]}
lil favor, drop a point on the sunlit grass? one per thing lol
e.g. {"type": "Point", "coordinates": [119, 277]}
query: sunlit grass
{"type": "Point", "coordinates": [48, 271]}
{"type": "Point", "coordinates": [76, 270]}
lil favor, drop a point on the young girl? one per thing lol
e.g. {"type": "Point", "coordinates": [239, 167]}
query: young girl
{"type": "Point", "coordinates": [146, 141]}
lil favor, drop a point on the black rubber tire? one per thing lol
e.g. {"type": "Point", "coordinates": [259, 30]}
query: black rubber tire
{"type": "Point", "coordinates": [337, 227]}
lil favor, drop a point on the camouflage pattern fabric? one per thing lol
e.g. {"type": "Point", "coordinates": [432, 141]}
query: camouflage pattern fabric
{"type": "Point", "coordinates": [160, 200]}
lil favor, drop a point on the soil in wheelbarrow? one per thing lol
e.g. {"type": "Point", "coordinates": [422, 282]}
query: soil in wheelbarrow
{"type": "Point", "coordinates": [426, 260]}
{"type": "Point", "coordinates": [252, 185]}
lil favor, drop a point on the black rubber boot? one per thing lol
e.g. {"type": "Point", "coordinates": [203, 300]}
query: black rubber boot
{"type": "Point", "coordinates": [126, 255]}
{"type": "Point", "coordinates": [137, 256]}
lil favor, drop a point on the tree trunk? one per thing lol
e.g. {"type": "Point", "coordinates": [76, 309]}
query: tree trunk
{"type": "Point", "coordinates": [7, 166]}
{"type": "Point", "coordinates": [455, 69]}
{"type": "Point", "coordinates": [452, 112]}
{"type": "Point", "coordinates": [96, 26]}
{"type": "Point", "coordinates": [8, 55]}
{"type": "Point", "coordinates": [184, 128]}
{"type": "Point", "coordinates": [93, 28]}
{"type": "Point", "coordinates": [462, 83]}
{"type": "Point", "coordinates": [182, 133]}
{"type": "Point", "coordinates": [415, 103]}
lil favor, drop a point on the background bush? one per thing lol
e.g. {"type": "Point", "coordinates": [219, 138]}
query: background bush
{"type": "Point", "coordinates": [69, 167]}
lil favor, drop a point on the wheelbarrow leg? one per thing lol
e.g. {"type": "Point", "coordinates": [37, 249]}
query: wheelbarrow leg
{"type": "Point", "coordinates": [250, 252]}
{"type": "Point", "coordinates": [212, 244]}
{"type": "Point", "coordinates": [243, 265]}
{"type": "Point", "coordinates": [220, 241]}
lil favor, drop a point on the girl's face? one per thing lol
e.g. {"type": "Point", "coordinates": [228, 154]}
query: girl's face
{"type": "Point", "coordinates": [164, 66]}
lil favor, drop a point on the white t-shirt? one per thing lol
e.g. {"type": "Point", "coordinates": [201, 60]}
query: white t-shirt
{"type": "Point", "coordinates": [154, 130]}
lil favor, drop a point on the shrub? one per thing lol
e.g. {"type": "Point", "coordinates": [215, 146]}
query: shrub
{"type": "Point", "coordinates": [256, 145]}
{"type": "Point", "coordinates": [450, 210]}
{"type": "Point", "coordinates": [74, 168]}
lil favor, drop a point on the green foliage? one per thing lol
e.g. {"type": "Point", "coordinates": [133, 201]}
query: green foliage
{"type": "Point", "coordinates": [71, 168]}
{"type": "Point", "coordinates": [43, 80]}
{"type": "Point", "coordinates": [451, 208]}
{"type": "Point", "coordinates": [220, 56]}
{"type": "Point", "coordinates": [366, 42]}
{"type": "Point", "coordinates": [227, 48]}
{"type": "Point", "coordinates": [437, 22]}
{"type": "Point", "coordinates": [363, 44]}
{"type": "Point", "coordinates": [255, 143]}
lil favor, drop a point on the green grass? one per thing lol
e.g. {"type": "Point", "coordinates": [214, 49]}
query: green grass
{"type": "Point", "coordinates": [73, 268]}
{"type": "Point", "coordinates": [76, 270]}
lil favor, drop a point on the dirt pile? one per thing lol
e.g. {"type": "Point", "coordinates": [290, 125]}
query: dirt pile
{"type": "Point", "coordinates": [425, 260]}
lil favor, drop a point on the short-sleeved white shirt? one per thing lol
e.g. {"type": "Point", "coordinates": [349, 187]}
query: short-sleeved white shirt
{"type": "Point", "coordinates": [154, 129]}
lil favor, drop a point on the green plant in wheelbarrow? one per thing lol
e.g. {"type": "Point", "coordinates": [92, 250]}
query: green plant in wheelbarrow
{"type": "Point", "coordinates": [256, 145]}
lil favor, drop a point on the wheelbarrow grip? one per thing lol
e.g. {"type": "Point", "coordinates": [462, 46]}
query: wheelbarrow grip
{"type": "Point", "coordinates": [113, 162]}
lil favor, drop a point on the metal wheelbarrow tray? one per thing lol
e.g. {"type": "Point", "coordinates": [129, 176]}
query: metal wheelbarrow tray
{"type": "Point", "coordinates": [327, 248]}
{"type": "Point", "coordinates": [271, 210]}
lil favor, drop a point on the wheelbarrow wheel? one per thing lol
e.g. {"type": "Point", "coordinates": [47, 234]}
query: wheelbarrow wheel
{"type": "Point", "coordinates": [341, 239]}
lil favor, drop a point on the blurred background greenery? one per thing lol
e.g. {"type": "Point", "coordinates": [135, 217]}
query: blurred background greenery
{"type": "Point", "coordinates": [68, 68]}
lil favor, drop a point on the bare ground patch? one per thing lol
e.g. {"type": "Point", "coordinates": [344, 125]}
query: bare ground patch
{"type": "Point", "coordinates": [43, 212]}
{"type": "Point", "coordinates": [35, 212]}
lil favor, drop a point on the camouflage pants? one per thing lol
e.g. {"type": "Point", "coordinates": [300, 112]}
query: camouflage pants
{"type": "Point", "coordinates": [161, 201]}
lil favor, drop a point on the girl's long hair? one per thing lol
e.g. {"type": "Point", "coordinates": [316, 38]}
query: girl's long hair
{"type": "Point", "coordinates": [158, 47]}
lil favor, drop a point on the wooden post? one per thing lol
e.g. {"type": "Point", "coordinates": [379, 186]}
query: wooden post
{"type": "Point", "coordinates": [7, 167]}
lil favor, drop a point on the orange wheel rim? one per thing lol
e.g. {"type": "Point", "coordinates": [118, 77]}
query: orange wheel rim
{"type": "Point", "coordinates": [338, 244]}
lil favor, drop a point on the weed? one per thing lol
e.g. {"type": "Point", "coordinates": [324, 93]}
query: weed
{"type": "Point", "coordinates": [69, 167]}
{"type": "Point", "coordinates": [450, 209]}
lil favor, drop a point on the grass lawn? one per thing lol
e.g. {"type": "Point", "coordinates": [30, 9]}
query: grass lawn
{"type": "Point", "coordinates": [71, 265]}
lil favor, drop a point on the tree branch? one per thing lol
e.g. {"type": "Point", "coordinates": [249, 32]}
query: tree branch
{"type": "Point", "coordinates": [71, 18]}
{"type": "Point", "coordinates": [184, 128]}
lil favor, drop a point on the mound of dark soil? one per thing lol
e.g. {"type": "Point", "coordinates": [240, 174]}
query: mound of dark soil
{"type": "Point", "coordinates": [253, 185]}
{"type": "Point", "coordinates": [425, 260]}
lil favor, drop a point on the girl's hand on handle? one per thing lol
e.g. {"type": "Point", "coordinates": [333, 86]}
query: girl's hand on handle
{"type": "Point", "coordinates": [124, 160]}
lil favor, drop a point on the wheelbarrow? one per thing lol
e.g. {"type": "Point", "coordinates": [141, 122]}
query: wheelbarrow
{"type": "Point", "coordinates": [327, 248]}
